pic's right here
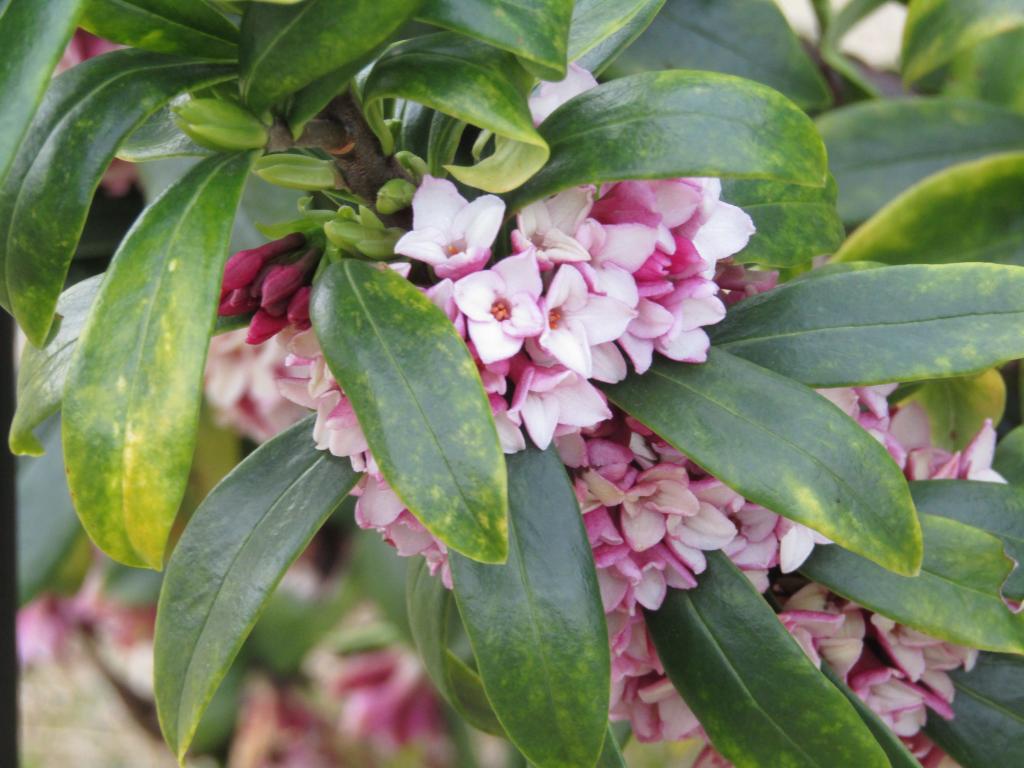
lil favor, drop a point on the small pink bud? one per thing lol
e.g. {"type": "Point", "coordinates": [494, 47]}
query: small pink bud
{"type": "Point", "coordinates": [298, 308]}
{"type": "Point", "coordinates": [244, 266]}
{"type": "Point", "coordinates": [237, 302]}
{"type": "Point", "coordinates": [283, 280]}
{"type": "Point", "coordinates": [264, 326]}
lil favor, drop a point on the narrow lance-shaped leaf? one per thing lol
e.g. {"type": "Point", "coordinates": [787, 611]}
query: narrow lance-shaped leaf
{"type": "Point", "coordinates": [956, 597]}
{"type": "Point", "coordinates": [714, 642]}
{"type": "Point", "coordinates": [966, 213]}
{"type": "Point", "coordinates": [474, 83]}
{"type": "Point", "coordinates": [285, 48]}
{"type": "Point", "coordinates": [793, 223]}
{"type": "Point", "coordinates": [667, 124]}
{"type": "Point", "coordinates": [191, 27]}
{"type": "Point", "coordinates": [601, 29]}
{"type": "Point", "coordinates": [988, 714]}
{"type": "Point", "coordinates": [700, 34]}
{"type": "Point", "coordinates": [234, 551]}
{"type": "Point", "coordinates": [420, 403]}
{"type": "Point", "coordinates": [42, 372]}
{"type": "Point", "coordinates": [781, 446]}
{"type": "Point", "coordinates": [873, 326]}
{"type": "Point", "coordinates": [44, 202]}
{"type": "Point", "coordinates": [33, 35]}
{"type": "Point", "coordinates": [536, 623]}
{"type": "Point", "coordinates": [938, 30]}
{"type": "Point", "coordinates": [879, 148]}
{"type": "Point", "coordinates": [537, 32]}
{"type": "Point", "coordinates": [429, 605]}
{"type": "Point", "coordinates": [132, 400]}
{"type": "Point", "coordinates": [993, 507]}
{"type": "Point", "coordinates": [1009, 459]}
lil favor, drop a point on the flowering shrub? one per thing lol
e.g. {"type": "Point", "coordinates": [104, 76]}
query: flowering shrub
{"type": "Point", "coordinates": [587, 342]}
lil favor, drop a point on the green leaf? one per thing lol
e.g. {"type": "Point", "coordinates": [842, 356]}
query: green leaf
{"type": "Point", "coordinates": [601, 29]}
{"type": "Point", "coordinates": [992, 71]}
{"type": "Point", "coordinates": [536, 623]}
{"type": "Point", "coordinates": [700, 34]}
{"type": "Point", "coordinates": [473, 83]}
{"type": "Point", "coordinates": [713, 642]}
{"type": "Point", "coordinates": [965, 213]}
{"type": "Point", "coordinates": [33, 35]}
{"type": "Point", "coordinates": [157, 139]}
{"type": "Point", "coordinates": [230, 558]}
{"type": "Point", "coordinates": [131, 405]}
{"type": "Point", "coordinates": [989, 714]}
{"type": "Point", "coordinates": [537, 32]}
{"type": "Point", "coordinates": [874, 326]}
{"type": "Point", "coordinates": [190, 27]}
{"type": "Point", "coordinates": [86, 114]}
{"type": "Point", "coordinates": [992, 507]}
{"type": "Point", "coordinates": [1009, 460]}
{"type": "Point", "coordinates": [958, 408]}
{"type": "Point", "coordinates": [611, 755]}
{"type": "Point", "coordinates": [429, 607]}
{"type": "Point", "coordinates": [419, 400]}
{"type": "Point", "coordinates": [42, 372]}
{"type": "Point", "coordinates": [47, 528]}
{"type": "Point", "coordinates": [668, 124]}
{"type": "Point", "coordinates": [899, 756]}
{"type": "Point", "coordinates": [956, 597]}
{"type": "Point", "coordinates": [794, 223]}
{"type": "Point", "coordinates": [781, 446]}
{"type": "Point", "coordinates": [938, 30]}
{"type": "Point", "coordinates": [877, 149]}
{"type": "Point", "coordinates": [285, 48]}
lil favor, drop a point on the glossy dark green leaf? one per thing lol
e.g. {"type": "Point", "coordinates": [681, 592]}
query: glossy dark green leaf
{"type": "Point", "coordinates": [44, 202]}
{"type": "Point", "coordinates": [536, 32]}
{"type": "Point", "coordinates": [611, 754]}
{"type": "Point", "coordinates": [159, 138]}
{"type": "Point", "coordinates": [714, 642]}
{"type": "Point", "coordinates": [898, 754]}
{"type": "Point", "coordinates": [230, 558]}
{"type": "Point", "coordinates": [957, 408]}
{"type": "Point", "coordinates": [476, 84]}
{"type": "Point", "coordinates": [536, 623]}
{"type": "Point", "coordinates": [988, 727]}
{"type": "Point", "coordinates": [956, 597]}
{"type": "Point", "coordinates": [429, 606]}
{"type": "Point", "coordinates": [877, 149]}
{"type": "Point", "coordinates": [992, 507]}
{"type": "Point", "coordinates": [601, 29]}
{"type": "Point", "coordinates": [47, 528]}
{"type": "Point", "coordinates": [190, 27]}
{"type": "Point", "coordinates": [991, 71]}
{"type": "Point", "coordinates": [782, 446]}
{"type": "Point", "coordinates": [873, 326]}
{"type": "Point", "coordinates": [1009, 460]}
{"type": "Point", "coordinates": [33, 35]}
{"type": "Point", "coordinates": [700, 34]}
{"type": "Point", "coordinates": [131, 405]}
{"type": "Point", "coordinates": [793, 223]}
{"type": "Point", "coordinates": [418, 397]}
{"type": "Point", "coordinates": [286, 47]}
{"type": "Point", "coordinates": [938, 30]}
{"type": "Point", "coordinates": [42, 372]}
{"type": "Point", "coordinates": [966, 213]}
{"type": "Point", "coordinates": [666, 124]}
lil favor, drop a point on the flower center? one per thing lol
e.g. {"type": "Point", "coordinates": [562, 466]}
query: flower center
{"type": "Point", "coordinates": [501, 309]}
{"type": "Point", "coordinates": [554, 318]}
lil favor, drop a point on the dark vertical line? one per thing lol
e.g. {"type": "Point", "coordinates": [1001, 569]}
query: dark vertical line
{"type": "Point", "coordinates": [8, 553]}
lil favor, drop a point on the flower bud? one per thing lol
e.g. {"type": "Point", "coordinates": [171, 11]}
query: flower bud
{"type": "Point", "coordinates": [298, 172]}
{"type": "Point", "coordinates": [298, 308]}
{"type": "Point", "coordinates": [395, 195]}
{"type": "Point", "coordinates": [371, 241]}
{"type": "Point", "coordinates": [220, 125]}
{"type": "Point", "coordinates": [413, 164]}
{"type": "Point", "coordinates": [242, 268]}
{"type": "Point", "coordinates": [264, 326]}
{"type": "Point", "coordinates": [283, 280]}
{"type": "Point", "coordinates": [237, 302]}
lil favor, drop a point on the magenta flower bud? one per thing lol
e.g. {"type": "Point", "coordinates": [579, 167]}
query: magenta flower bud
{"type": "Point", "coordinates": [245, 266]}
{"type": "Point", "coordinates": [283, 280]}
{"type": "Point", "coordinates": [298, 308]}
{"type": "Point", "coordinates": [264, 326]}
{"type": "Point", "coordinates": [237, 302]}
